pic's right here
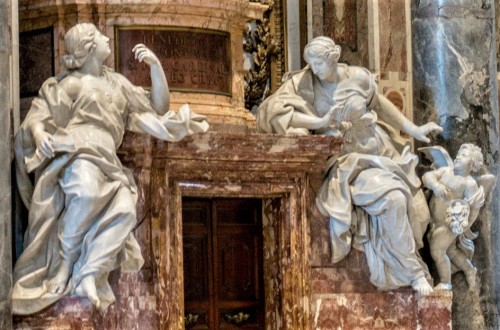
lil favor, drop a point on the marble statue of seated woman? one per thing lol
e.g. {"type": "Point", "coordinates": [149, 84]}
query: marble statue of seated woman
{"type": "Point", "coordinates": [82, 205]}
{"type": "Point", "coordinates": [372, 194]}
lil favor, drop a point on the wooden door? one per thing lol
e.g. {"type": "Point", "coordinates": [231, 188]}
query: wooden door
{"type": "Point", "coordinates": [223, 272]}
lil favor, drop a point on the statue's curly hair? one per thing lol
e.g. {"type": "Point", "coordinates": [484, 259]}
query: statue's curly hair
{"type": "Point", "coordinates": [476, 155]}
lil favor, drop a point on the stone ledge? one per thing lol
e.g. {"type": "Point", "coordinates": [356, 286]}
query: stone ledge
{"type": "Point", "coordinates": [274, 152]}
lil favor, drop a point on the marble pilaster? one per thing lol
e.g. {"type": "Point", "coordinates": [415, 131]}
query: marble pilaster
{"type": "Point", "coordinates": [392, 52]}
{"type": "Point", "coordinates": [454, 83]}
{"type": "Point", "coordinates": [5, 173]}
{"type": "Point", "coordinates": [294, 53]}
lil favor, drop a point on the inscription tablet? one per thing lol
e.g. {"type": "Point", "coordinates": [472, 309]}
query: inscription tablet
{"type": "Point", "coordinates": [193, 59]}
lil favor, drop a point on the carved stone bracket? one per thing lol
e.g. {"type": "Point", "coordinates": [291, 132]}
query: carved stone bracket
{"type": "Point", "coordinates": [264, 42]}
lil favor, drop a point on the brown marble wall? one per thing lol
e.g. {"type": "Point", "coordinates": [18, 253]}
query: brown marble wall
{"type": "Point", "coordinates": [394, 64]}
{"type": "Point", "coordinates": [367, 311]}
{"type": "Point", "coordinates": [6, 112]}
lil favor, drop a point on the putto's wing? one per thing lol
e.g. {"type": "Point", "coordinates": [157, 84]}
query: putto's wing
{"type": "Point", "coordinates": [487, 181]}
{"type": "Point", "coordinates": [438, 155]}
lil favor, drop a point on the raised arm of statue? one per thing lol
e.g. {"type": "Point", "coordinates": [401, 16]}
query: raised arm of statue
{"type": "Point", "coordinates": [160, 94]}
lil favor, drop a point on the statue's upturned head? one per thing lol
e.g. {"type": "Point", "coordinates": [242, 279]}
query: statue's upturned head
{"type": "Point", "coordinates": [322, 47]}
{"type": "Point", "coordinates": [79, 41]}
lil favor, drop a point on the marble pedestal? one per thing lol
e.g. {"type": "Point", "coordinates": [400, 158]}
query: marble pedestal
{"type": "Point", "coordinates": [300, 292]}
{"type": "Point", "coordinates": [353, 303]}
{"type": "Point", "coordinates": [276, 169]}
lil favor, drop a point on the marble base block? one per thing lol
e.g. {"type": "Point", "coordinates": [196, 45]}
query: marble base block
{"type": "Point", "coordinates": [400, 309]}
{"type": "Point", "coordinates": [67, 313]}
{"type": "Point", "coordinates": [343, 298]}
{"type": "Point", "coordinates": [135, 305]}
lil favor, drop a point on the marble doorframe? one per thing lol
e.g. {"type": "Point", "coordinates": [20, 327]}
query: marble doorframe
{"type": "Point", "coordinates": [285, 247]}
{"type": "Point", "coordinates": [276, 169]}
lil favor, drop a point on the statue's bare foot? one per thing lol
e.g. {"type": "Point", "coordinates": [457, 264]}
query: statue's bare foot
{"type": "Point", "coordinates": [443, 287]}
{"type": "Point", "coordinates": [87, 288]}
{"type": "Point", "coordinates": [421, 286]}
{"type": "Point", "coordinates": [470, 276]}
{"type": "Point", "coordinates": [58, 283]}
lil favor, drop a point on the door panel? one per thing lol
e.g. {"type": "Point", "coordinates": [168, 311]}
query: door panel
{"type": "Point", "coordinates": [236, 271]}
{"type": "Point", "coordinates": [197, 251]}
{"type": "Point", "coordinates": [196, 286]}
{"type": "Point", "coordinates": [223, 272]}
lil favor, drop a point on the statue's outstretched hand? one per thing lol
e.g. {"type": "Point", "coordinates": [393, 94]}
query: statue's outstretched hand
{"type": "Point", "coordinates": [421, 132]}
{"type": "Point", "coordinates": [144, 54]}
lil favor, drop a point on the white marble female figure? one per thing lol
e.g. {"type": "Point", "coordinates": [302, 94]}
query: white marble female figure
{"type": "Point", "coordinates": [372, 193]}
{"type": "Point", "coordinates": [82, 206]}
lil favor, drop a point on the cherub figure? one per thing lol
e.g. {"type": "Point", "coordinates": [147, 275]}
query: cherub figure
{"type": "Point", "coordinates": [455, 204]}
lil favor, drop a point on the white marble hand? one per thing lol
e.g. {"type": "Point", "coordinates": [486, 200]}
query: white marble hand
{"type": "Point", "coordinates": [144, 54]}
{"type": "Point", "coordinates": [440, 190]}
{"type": "Point", "coordinates": [421, 132]}
{"type": "Point", "coordinates": [43, 142]}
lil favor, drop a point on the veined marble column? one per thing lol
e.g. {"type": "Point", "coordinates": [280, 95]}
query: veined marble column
{"type": "Point", "coordinates": [6, 106]}
{"type": "Point", "coordinates": [455, 84]}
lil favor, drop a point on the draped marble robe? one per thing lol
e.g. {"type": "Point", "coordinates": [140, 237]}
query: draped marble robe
{"type": "Point", "coordinates": [371, 193]}
{"type": "Point", "coordinates": [84, 198]}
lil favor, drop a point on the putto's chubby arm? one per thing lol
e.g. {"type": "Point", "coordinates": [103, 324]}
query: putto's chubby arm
{"type": "Point", "coordinates": [432, 180]}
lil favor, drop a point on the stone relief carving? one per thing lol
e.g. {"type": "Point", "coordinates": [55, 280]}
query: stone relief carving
{"type": "Point", "coordinates": [82, 203]}
{"type": "Point", "coordinates": [372, 193]}
{"type": "Point", "coordinates": [457, 197]}
{"type": "Point", "coordinates": [259, 44]}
